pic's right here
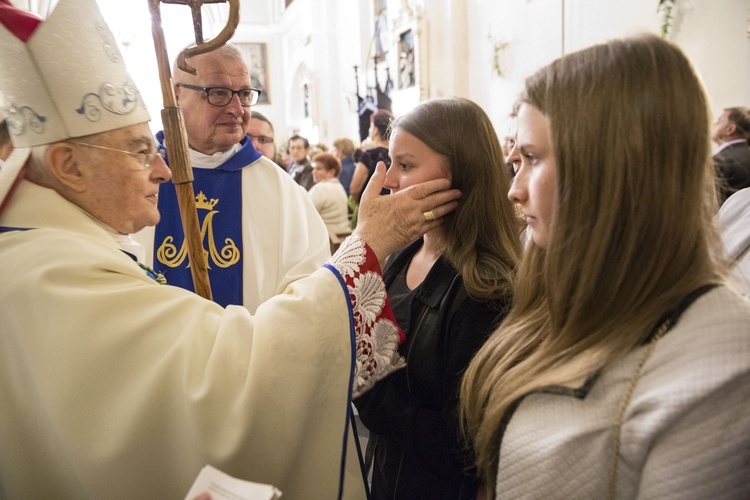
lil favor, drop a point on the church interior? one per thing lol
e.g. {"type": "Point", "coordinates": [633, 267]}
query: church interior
{"type": "Point", "coordinates": [319, 62]}
{"type": "Point", "coordinates": [322, 71]}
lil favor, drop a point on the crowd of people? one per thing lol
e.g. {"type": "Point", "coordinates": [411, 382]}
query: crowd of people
{"type": "Point", "coordinates": [576, 327]}
{"type": "Point", "coordinates": [344, 164]}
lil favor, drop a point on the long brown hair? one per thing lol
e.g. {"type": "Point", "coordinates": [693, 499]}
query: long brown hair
{"type": "Point", "coordinates": [481, 235]}
{"type": "Point", "coordinates": [631, 232]}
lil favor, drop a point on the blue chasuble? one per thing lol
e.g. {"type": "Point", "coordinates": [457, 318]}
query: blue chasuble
{"type": "Point", "coordinates": [218, 195]}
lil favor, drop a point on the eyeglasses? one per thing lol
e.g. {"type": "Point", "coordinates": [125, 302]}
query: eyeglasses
{"type": "Point", "coordinates": [221, 96]}
{"type": "Point", "coordinates": [262, 139]}
{"type": "Point", "coordinates": [146, 158]}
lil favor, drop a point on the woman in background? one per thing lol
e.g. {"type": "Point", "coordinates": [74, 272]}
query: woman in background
{"type": "Point", "coordinates": [449, 290]}
{"type": "Point", "coordinates": [329, 197]}
{"type": "Point", "coordinates": [344, 149]}
{"type": "Point", "coordinates": [377, 151]}
{"type": "Point", "coordinates": [623, 369]}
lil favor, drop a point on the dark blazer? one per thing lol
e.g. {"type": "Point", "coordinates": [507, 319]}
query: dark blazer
{"type": "Point", "coordinates": [418, 451]}
{"type": "Point", "coordinates": [304, 177]}
{"type": "Point", "coordinates": [732, 169]}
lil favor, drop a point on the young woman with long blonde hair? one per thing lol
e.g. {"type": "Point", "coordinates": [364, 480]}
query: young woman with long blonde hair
{"type": "Point", "coordinates": [623, 369]}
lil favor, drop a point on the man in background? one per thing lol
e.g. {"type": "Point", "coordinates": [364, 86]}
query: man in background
{"type": "Point", "coordinates": [260, 130]}
{"type": "Point", "coordinates": [732, 159]}
{"type": "Point", "coordinates": [300, 169]}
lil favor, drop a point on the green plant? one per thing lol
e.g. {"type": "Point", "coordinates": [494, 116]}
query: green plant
{"type": "Point", "coordinates": [666, 8]}
{"type": "Point", "coordinates": [497, 49]}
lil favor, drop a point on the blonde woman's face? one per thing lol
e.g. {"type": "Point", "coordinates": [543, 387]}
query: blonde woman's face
{"type": "Point", "coordinates": [535, 185]}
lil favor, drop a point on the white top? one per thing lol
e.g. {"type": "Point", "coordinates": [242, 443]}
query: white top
{"type": "Point", "coordinates": [686, 430]}
{"type": "Point", "coordinates": [734, 223]}
{"type": "Point", "coordinates": [330, 200]}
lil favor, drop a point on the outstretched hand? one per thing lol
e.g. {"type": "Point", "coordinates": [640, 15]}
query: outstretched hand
{"type": "Point", "coordinates": [389, 223]}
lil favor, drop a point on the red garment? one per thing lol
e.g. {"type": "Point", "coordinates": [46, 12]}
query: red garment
{"type": "Point", "coordinates": [17, 21]}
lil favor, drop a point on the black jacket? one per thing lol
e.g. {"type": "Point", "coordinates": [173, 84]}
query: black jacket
{"type": "Point", "coordinates": [413, 412]}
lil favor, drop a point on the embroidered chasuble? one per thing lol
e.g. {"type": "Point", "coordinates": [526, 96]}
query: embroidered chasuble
{"type": "Point", "coordinates": [100, 366]}
{"type": "Point", "coordinates": [219, 204]}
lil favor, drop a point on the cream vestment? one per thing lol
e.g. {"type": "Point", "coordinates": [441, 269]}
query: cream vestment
{"type": "Point", "coordinates": [113, 386]}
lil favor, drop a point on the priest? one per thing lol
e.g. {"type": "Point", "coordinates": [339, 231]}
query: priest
{"type": "Point", "coordinates": [116, 386]}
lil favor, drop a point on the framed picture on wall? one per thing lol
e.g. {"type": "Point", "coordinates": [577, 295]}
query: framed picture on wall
{"type": "Point", "coordinates": [406, 56]}
{"type": "Point", "coordinates": [256, 57]}
{"type": "Point", "coordinates": [407, 70]}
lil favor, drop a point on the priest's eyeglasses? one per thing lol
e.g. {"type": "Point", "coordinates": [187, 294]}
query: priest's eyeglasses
{"type": "Point", "coordinates": [221, 96]}
{"type": "Point", "coordinates": [146, 158]}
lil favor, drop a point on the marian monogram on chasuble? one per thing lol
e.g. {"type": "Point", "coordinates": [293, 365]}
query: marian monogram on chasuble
{"type": "Point", "coordinates": [220, 220]}
{"type": "Point", "coordinates": [219, 205]}
{"type": "Point", "coordinates": [228, 255]}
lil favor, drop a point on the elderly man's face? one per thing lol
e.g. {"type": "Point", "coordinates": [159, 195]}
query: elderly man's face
{"type": "Point", "coordinates": [211, 129]}
{"type": "Point", "coordinates": [119, 191]}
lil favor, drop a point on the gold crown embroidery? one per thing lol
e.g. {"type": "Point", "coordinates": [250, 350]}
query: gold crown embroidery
{"type": "Point", "coordinates": [203, 203]}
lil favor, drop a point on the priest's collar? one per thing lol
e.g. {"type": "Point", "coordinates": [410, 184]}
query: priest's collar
{"type": "Point", "coordinates": [200, 160]}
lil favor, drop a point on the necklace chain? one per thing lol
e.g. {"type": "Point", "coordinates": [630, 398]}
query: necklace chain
{"type": "Point", "coordinates": [663, 328]}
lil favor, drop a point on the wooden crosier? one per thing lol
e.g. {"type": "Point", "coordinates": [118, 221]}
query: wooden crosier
{"type": "Point", "coordinates": [175, 136]}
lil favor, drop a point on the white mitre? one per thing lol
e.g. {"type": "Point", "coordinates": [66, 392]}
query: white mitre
{"type": "Point", "coordinates": [68, 80]}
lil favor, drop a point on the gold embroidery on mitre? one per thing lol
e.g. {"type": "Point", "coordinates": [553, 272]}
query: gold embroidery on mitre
{"type": "Point", "coordinates": [227, 256]}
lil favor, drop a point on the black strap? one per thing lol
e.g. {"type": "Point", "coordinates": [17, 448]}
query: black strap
{"type": "Point", "coordinates": [364, 468]}
{"type": "Point", "coordinates": [671, 316]}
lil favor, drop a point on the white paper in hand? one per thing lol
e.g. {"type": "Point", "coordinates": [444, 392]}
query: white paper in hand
{"type": "Point", "coordinates": [222, 486]}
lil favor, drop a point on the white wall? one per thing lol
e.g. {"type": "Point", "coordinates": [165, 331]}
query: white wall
{"type": "Point", "coordinates": [716, 36]}
{"type": "Point", "coordinates": [319, 41]}
{"type": "Point", "coordinates": [533, 33]}
{"type": "Point", "coordinates": [275, 110]}
{"type": "Point", "coordinates": [711, 32]}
